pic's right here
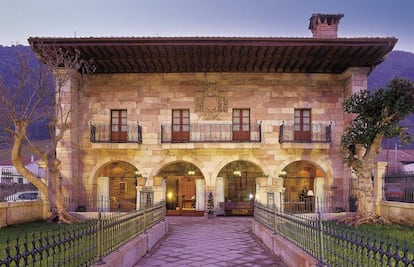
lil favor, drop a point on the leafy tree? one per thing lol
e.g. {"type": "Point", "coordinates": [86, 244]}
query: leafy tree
{"type": "Point", "coordinates": [36, 93]}
{"type": "Point", "coordinates": [376, 116]}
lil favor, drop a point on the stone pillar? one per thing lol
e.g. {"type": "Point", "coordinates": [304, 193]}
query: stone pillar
{"type": "Point", "coordinates": [279, 192]}
{"type": "Point", "coordinates": [379, 172]}
{"type": "Point", "coordinates": [139, 189]}
{"type": "Point", "coordinates": [277, 189]}
{"type": "Point", "coordinates": [261, 190]}
{"type": "Point", "coordinates": [159, 192]}
{"type": "Point", "coordinates": [219, 196]}
{"type": "Point", "coordinates": [67, 147]}
{"type": "Point", "coordinates": [200, 195]}
{"type": "Point", "coordinates": [141, 181]}
{"type": "Point", "coordinates": [320, 200]}
{"type": "Point", "coordinates": [164, 189]}
{"type": "Point", "coordinates": [102, 195]}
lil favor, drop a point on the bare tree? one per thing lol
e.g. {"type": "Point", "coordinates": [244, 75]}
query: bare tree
{"type": "Point", "coordinates": [36, 93]}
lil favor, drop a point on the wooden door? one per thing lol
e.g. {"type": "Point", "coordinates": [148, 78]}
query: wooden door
{"type": "Point", "coordinates": [180, 125]}
{"type": "Point", "coordinates": [241, 124]}
{"type": "Point", "coordinates": [302, 125]}
{"type": "Point", "coordinates": [119, 125]}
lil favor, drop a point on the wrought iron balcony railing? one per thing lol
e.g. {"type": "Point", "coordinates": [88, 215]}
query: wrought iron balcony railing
{"type": "Point", "coordinates": [317, 133]}
{"type": "Point", "coordinates": [103, 133]}
{"type": "Point", "coordinates": [210, 133]}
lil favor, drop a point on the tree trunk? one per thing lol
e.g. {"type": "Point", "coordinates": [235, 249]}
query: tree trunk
{"type": "Point", "coordinates": [51, 188]}
{"type": "Point", "coordinates": [363, 165]}
{"type": "Point", "coordinates": [56, 198]}
{"type": "Point", "coordinates": [19, 137]}
{"type": "Point", "coordinates": [365, 200]}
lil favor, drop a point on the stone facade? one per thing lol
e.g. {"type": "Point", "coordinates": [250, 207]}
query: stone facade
{"type": "Point", "coordinates": [210, 97]}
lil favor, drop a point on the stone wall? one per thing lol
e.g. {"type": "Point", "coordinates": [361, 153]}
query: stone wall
{"type": "Point", "coordinates": [130, 253]}
{"type": "Point", "coordinates": [150, 98]}
{"type": "Point", "coordinates": [291, 255]}
{"type": "Point", "coordinates": [22, 212]}
{"type": "Point", "coordinates": [397, 212]}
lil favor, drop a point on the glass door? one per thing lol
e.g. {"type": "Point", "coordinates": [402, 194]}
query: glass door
{"type": "Point", "coordinates": [241, 124]}
{"type": "Point", "coordinates": [180, 125]}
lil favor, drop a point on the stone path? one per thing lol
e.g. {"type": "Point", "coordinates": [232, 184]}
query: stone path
{"type": "Point", "coordinates": [221, 241]}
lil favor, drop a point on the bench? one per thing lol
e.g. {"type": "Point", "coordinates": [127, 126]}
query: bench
{"type": "Point", "coordinates": [237, 208]}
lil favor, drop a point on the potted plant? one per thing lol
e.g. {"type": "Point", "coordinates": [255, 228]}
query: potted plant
{"type": "Point", "coordinates": [210, 206]}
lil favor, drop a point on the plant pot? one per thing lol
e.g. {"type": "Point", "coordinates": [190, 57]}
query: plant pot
{"type": "Point", "coordinates": [209, 215]}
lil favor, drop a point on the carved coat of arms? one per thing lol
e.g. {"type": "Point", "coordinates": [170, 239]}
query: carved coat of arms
{"type": "Point", "coordinates": [209, 102]}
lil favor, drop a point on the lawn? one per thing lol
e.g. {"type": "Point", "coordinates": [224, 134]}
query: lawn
{"type": "Point", "coordinates": [36, 228]}
{"type": "Point", "coordinates": [48, 243]}
{"type": "Point", "coordinates": [404, 234]}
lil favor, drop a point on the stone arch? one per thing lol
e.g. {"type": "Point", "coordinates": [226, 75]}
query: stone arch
{"type": "Point", "coordinates": [320, 163]}
{"type": "Point", "coordinates": [184, 186]}
{"type": "Point", "coordinates": [305, 181]}
{"type": "Point", "coordinates": [92, 175]}
{"type": "Point", "coordinates": [228, 160]}
{"type": "Point", "coordinates": [235, 186]}
{"type": "Point", "coordinates": [116, 186]}
{"type": "Point", "coordinates": [171, 160]}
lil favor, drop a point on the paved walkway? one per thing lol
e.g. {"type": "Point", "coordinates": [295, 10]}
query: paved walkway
{"type": "Point", "coordinates": [221, 241]}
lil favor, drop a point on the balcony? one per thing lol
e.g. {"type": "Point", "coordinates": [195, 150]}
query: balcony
{"type": "Point", "coordinates": [211, 133]}
{"type": "Point", "coordinates": [318, 136]}
{"type": "Point", "coordinates": [102, 133]}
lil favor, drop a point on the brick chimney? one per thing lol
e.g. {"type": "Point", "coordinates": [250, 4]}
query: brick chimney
{"type": "Point", "coordinates": [324, 25]}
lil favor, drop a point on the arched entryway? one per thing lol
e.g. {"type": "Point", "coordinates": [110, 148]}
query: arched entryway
{"type": "Point", "coordinates": [116, 190]}
{"type": "Point", "coordinates": [302, 183]}
{"type": "Point", "coordinates": [185, 189]}
{"type": "Point", "coordinates": [236, 187]}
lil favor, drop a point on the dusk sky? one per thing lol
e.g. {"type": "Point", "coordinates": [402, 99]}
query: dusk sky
{"type": "Point", "coordinates": [21, 19]}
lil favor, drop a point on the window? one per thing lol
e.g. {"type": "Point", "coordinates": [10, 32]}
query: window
{"type": "Point", "coordinates": [119, 127]}
{"type": "Point", "coordinates": [180, 125]}
{"type": "Point", "coordinates": [302, 125]}
{"type": "Point", "coordinates": [241, 124]}
{"type": "Point", "coordinates": [7, 176]}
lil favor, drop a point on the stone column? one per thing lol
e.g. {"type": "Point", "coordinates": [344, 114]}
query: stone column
{"type": "Point", "coordinates": [219, 196]}
{"type": "Point", "coordinates": [379, 172]}
{"type": "Point", "coordinates": [320, 199]}
{"type": "Point", "coordinates": [200, 195]}
{"type": "Point", "coordinates": [102, 194]}
{"type": "Point", "coordinates": [261, 190]}
{"type": "Point", "coordinates": [67, 147]}
{"type": "Point", "coordinates": [140, 187]}
{"type": "Point", "coordinates": [279, 192]}
{"type": "Point", "coordinates": [277, 189]}
{"type": "Point", "coordinates": [159, 192]}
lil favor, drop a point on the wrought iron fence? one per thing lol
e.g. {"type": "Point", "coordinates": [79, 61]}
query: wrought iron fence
{"type": "Point", "coordinates": [102, 133]}
{"type": "Point", "coordinates": [308, 204]}
{"type": "Point", "coordinates": [207, 132]}
{"type": "Point", "coordinates": [332, 245]}
{"type": "Point", "coordinates": [88, 202]}
{"type": "Point", "coordinates": [319, 133]}
{"type": "Point", "coordinates": [80, 244]}
{"type": "Point", "coordinates": [10, 189]}
{"type": "Point", "coordinates": [399, 187]}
